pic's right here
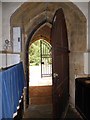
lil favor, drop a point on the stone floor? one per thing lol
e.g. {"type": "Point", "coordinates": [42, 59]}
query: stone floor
{"type": "Point", "coordinates": [39, 111]}
{"type": "Point", "coordinates": [72, 114]}
{"type": "Point", "coordinates": [45, 111]}
{"type": "Point", "coordinates": [41, 98]}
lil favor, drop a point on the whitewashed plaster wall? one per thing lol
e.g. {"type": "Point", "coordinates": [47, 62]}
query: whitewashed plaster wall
{"type": "Point", "coordinates": [83, 6]}
{"type": "Point", "coordinates": [0, 26]}
{"type": "Point", "coordinates": [88, 65]}
{"type": "Point", "coordinates": [87, 54]}
{"type": "Point", "coordinates": [0, 32]}
{"type": "Point", "coordinates": [7, 10]}
{"type": "Point", "coordinates": [11, 59]}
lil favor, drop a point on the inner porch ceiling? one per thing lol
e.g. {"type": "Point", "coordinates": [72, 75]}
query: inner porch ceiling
{"type": "Point", "coordinates": [43, 33]}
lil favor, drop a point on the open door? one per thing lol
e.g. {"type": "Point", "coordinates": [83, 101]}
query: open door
{"type": "Point", "coordinates": [60, 64]}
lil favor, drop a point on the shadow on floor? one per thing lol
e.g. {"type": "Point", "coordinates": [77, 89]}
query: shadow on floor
{"type": "Point", "coordinates": [45, 111]}
{"type": "Point", "coordinates": [72, 114]}
{"type": "Point", "coordinates": [39, 111]}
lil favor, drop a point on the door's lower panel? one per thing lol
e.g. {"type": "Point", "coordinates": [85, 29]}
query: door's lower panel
{"type": "Point", "coordinates": [60, 100]}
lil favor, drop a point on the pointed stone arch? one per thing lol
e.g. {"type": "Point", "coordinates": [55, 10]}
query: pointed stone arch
{"type": "Point", "coordinates": [76, 26]}
{"type": "Point", "coordinates": [27, 54]}
{"type": "Point", "coordinates": [30, 14]}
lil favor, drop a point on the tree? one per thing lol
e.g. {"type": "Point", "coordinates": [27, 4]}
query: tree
{"type": "Point", "coordinates": [34, 53]}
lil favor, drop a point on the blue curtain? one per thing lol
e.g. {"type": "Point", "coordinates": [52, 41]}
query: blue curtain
{"type": "Point", "coordinates": [12, 90]}
{"type": "Point", "coordinates": [0, 95]}
{"type": "Point", "coordinates": [7, 98]}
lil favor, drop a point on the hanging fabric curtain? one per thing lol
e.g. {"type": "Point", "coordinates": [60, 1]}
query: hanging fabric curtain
{"type": "Point", "coordinates": [7, 97]}
{"type": "Point", "coordinates": [0, 95]}
{"type": "Point", "coordinates": [12, 90]}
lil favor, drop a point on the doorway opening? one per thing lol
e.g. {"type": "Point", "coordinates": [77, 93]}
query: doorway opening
{"type": "Point", "coordinates": [40, 63]}
{"type": "Point", "coordinates": [40, 73]}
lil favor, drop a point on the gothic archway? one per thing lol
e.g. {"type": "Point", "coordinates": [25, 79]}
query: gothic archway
{"type": "Point", "coordinates": [27, 54]}
{"type": "Point", "coordinates": [76, 27]}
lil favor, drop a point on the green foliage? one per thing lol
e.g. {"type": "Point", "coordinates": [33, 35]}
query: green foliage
{"type": "Point", "coordinates": [34, 53]}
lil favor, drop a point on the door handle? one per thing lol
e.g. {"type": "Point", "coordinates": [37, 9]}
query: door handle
{"type": "Point", "coordinates": [55, 75]}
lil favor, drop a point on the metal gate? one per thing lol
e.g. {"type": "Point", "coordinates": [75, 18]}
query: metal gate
{"type": "Point", "coordinates": [46, 59]}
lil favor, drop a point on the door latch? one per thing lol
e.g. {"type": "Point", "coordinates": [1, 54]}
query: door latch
{"type": "Point", "coordinates": [42, 62]}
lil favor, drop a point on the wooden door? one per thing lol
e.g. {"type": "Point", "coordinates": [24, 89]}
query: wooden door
{"type": "Point", "coordinates": [60, 64]}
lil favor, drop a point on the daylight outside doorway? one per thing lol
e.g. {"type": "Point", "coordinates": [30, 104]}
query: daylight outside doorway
{"type": "Point", "coordinates": [40, 63]}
